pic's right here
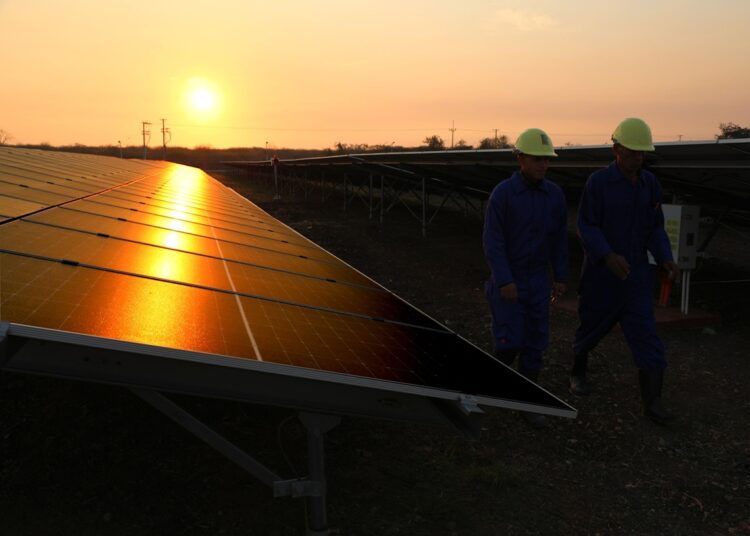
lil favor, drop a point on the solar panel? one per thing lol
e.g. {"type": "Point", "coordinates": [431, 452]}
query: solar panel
{"type": "Point", "coordinates": [156, 277]}
{"type": "Point", "coordinates": [716, 172]}
{"type": "Point", "coordinates": [168, 257]}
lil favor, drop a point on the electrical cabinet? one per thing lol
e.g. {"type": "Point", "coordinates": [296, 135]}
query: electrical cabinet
{"type": "Point", "coordinates": [681, 223]}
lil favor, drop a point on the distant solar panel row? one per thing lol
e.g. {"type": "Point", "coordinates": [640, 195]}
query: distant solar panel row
{"type": "Point", "coordinates": [162, 254]}
{"type": "Point", "coordinates": [705, 172]}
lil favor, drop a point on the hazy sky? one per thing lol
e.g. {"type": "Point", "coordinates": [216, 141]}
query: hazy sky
{"type": "Point", "coordinates": [308, 74]}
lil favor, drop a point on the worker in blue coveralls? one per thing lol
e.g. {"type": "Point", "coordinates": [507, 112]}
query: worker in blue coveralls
{"type": "Point", "coordinates": [525, 238]}
{"type": "Point", "coordinates": [620, 218]}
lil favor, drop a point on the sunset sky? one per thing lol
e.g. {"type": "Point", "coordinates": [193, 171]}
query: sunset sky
{"type": "Point", "coordinates": [292, 73]}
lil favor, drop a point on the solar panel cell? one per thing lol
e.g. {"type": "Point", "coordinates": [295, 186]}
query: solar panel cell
{"type": "Point", "coordinates": [12, 208]}
{"type": "Point", "coordinates": [15, 191]}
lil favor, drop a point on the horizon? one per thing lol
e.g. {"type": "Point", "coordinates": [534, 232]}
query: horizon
{"type": "Point", "coordinates": [295, 75]}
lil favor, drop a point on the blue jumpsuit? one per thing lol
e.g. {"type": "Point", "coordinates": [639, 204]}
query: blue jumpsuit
{"type": "Point", "coordinates": [525, 232]}
{"type": "Point", "coordinates": [620, 216]}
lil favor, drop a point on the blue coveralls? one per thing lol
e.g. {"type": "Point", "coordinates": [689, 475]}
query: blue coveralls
{"type": "Point", "coordinates": [525, 231]}
{"type": "Point", "coordinates": [617, 215]}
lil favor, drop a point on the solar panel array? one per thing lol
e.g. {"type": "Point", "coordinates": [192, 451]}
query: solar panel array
{"type": "Point", "coordinates": [162, 254]}
{"type": "Point", "coordinates": [716, 172]}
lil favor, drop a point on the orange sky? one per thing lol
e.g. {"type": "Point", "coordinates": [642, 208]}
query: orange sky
{"type": "Point", "coordinates": [310, 74]}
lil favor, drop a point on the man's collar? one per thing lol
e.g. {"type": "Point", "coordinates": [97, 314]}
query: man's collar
{"type": "Point", "coordinates": [618, 175]}
{"type": "Point", "coordinates": [521, 183]}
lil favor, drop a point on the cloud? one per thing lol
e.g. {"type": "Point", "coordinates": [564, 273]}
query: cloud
{"type": "Point", "coordinates": [524, 21]}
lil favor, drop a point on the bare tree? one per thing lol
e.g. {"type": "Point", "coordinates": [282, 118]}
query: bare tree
{"type": "Point", "coordinates": [732, 131]}
{"type": "Point", "coordinates": [5, 137]}
{"type": "Point", "coordinates": [434, 143]}
{"type": "Point", "coordinates": [500, 142]}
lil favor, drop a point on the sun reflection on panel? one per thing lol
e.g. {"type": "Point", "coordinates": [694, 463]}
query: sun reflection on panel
{"type": "Point", "coordinates": [174, 240]}
{"type": "Point", "coordinates": [184, 184]}
{"type": "Point", "coordinates": [164, 264]}
{"type": "Point", "coordinates": [178, 225]}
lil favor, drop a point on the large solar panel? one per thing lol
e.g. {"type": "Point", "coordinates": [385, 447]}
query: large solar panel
{"type": "Point", "coordinates": [153, 274]}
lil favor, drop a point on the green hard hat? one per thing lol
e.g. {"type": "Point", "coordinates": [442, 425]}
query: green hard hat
{"type": "Point", "coordinates": [634, 134]}
{"type": "Point", "coordinates": [535, 142]}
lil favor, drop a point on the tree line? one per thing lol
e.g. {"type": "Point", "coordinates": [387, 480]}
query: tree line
{"type": "Point", "coordinates": [207, 157]}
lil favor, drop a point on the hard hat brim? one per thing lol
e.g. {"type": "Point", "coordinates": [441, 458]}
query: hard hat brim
{"type": "Point", "coordinates": [636, 147]}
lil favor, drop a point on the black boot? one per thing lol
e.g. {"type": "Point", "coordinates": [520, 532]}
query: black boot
{"type": "Point", "coordinates": [579, 386]}
{"type": "Point", "coordinates": [651, 382]}
{"type": "Point", "coordinates": [536, 420]}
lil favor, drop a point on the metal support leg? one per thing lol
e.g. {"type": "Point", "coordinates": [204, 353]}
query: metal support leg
{"type": "Point", "coordinates": [317, 425]}
{"type": "Point", "coordinates": [370, 194]}
{"type": "Point", "coordinates": [382, 197]}
{"type": "Point", "coordinates": [203, 432]}
{"type": "Point", "coordinates": [424, 208]}
{"type": "Point", "coordinates": [346, 191]}
{"type": "Point", "coordinates": [276, 182]}
{"type": "Point", "coordinates": [685, 292]}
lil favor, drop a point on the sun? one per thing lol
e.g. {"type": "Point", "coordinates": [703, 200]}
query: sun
{"type": "Point", "coordinates": [202, 99]}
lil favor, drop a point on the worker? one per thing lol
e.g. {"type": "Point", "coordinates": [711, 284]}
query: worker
{"type": "Point", "coordinates": [525, 237]}
{"type": "Point", "coordinates": [620, 218]}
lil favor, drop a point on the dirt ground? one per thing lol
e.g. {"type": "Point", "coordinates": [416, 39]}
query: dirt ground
{"type": "Point", "coordinates": [85, 459]}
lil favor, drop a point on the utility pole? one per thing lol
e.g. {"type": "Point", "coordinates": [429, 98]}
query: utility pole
{"type": "Point", "coordinates": [495, 134]}
{"type": "Point", "coordinates": [146, 131]}
{"type": "Point", "coordinates": [120, 144]}
{"type": "Point", "coordinates": [452, 129]}
{"type": "Point", "coordinates": [164, 132]}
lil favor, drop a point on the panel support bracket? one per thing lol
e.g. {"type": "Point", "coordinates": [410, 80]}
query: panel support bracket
{"type": "Point", "coordinates": [468, 405]}
{"type": "Point", "coordinates": [312, 488]}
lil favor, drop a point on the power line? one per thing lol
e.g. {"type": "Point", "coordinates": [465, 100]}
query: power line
{"type": "Point", "coordinates": [600, 135]}
{"type": "Point", "coordinates": [145, 131]}
{"type": "Point", "coordinates": [278, 129]}
{"type": "Point", "coordinates": [164, 132]}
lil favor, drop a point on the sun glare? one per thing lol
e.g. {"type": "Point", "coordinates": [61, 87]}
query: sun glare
{"type": "Point", "coordinates": [202, 99]}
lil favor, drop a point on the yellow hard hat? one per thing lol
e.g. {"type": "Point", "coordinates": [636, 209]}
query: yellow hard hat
{"type": "Point", "coordinates": [535, 142]}
{"type": "Point", "coordinates": [634, 134]}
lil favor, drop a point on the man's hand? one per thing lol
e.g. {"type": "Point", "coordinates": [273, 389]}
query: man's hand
{"type": "Point", "coordinates": [558, 289]}
{"type": "Point", "coordinates": [673, 271]}
{"type": "Point", "coordinates": [509, 293]}
{"type": "Point", "coordinates": [618, 266]}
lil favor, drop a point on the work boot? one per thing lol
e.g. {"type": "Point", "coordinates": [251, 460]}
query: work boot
{"type": "Point", "coordinates": [535, 420]}
{"type": "Point", "coordinates": [579, 386]}
{"type": "Point", "coordinates": [651, 382]}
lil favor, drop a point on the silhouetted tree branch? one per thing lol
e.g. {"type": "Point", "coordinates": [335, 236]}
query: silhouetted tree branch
{"type": "Point", "coordinates": [732, 131]}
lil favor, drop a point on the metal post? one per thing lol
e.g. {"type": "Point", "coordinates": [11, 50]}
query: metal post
{"type": "Point", "coordinates": [276, 181]}
{"type": "Point", "coordinates": [346, 190]}
{"type": "Point", "coordinates": [685, 292]}
{"type": "Point", "coordinates": [382, 197]}
{"type": "Point", "coordinates": [145, 131]}
{"type": "Point", "coordinates": [370, 195]}
{"type": "Point", "coordinates": [424, 207]}
{"type": "Point", "coordinates": [317, 425]}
